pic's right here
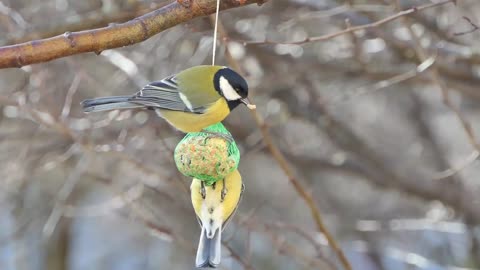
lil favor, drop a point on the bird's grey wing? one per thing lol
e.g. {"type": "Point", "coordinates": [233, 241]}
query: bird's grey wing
{"type": "Point", "coordinates": [164, 94]}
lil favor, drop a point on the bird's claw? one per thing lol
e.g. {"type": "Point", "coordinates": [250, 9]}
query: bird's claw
{"type": "Point", "coordinates": [203, 191]}
{"type": "Point", "coordinates": [224, 192]}
{"type": "Point", "coordinates": [212, 134]}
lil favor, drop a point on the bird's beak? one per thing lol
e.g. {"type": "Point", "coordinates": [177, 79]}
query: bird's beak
{"type": "Point", "coordinates": [247, 103]}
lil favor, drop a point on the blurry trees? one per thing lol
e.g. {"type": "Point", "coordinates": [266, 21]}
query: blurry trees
{"type": "Point", "coordinates": [374, 105]}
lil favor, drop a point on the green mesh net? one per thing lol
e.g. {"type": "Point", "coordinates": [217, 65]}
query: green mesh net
{"type": "Point", "coordinates": [209, 156]}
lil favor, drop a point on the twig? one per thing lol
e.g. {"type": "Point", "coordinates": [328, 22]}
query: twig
{"type": "Point", "coordinates": [68, 99]}
{"type": "Point", "coordinates": [365, 163]}
{"type": "Point", "coordinates": [474, 27]}
{"type": "Point", "coordinates": [237, 257]}
{"type": "Point", "coordinates": [410, 224]}
{"type": "Point", "coordinates": [62, 197]}
{"type": "Point", "coordinates": [300, 232]}
{"type": "Point", "coordinates": [121, 200]}
{"type": "Point", "coordinates": [349, 29]}
{"type": "Point", "coordinates": [422, 67]}
{"type": "Point", "coordinates": [436, 79]}
{"type": "Point", "coordinates": [283, 163]}
{"type": "Point", "coordinates": [284, 247]}
{"type": "Point", "coordinates": [113, 36]}
{"type": "Point", "coordinates": [457, 167]}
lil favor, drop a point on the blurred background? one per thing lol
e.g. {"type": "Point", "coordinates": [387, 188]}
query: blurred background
{"type": "Point", "coordinates": [361, 118]}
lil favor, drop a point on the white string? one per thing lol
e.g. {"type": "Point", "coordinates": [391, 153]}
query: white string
{"type": "Point", "coordinates": [215, 33]}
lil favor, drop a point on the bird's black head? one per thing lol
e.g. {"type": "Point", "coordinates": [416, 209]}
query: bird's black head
{"type": "Point", "coordinates": [231, 86]}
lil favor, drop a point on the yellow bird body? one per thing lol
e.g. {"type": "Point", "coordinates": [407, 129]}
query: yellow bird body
{"type": "Point", "coordinates": [190, 100]}
{"type": "Point", "coordinates": [191, 122]}
{"type": "Point", "coordinates": [213, 213]}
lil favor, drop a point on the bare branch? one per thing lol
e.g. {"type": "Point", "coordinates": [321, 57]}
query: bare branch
{"type": "Point", "coordinates": [457, 167]}
{"type": "Point", "coordinates": [113, 36]}
{"type": "Point", "coordinates": [348, 29]}
{"type": "Point", "coordinates": [436, 79]}
{"type": "Point", "coordinates": [94, 19]}
{"type": "Point", "coordinates": [474, 27]}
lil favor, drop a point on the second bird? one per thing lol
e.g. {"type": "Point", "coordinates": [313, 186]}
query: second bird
{"type": "Point", "coordinates": [214, 208]}
{"type": "Point", "coordinates": [190, 101]}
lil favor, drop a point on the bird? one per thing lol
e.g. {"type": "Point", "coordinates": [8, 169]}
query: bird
{"type": "Point", "coordinates": [190, 100]}
{"type": "Point", "coordinates": [214, 207]}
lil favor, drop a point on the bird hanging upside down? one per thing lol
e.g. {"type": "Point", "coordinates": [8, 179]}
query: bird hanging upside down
{"type": "Point", "coordinates": [214, 206]}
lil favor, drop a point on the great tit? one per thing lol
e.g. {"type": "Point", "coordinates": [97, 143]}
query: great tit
{"type": "Point", "coordinates": [190, 100]}
{"type": "Point", "coordinates": [214, 206]}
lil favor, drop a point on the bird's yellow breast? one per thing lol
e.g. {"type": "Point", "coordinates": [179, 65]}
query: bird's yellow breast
{"type": "Point", "coordinates": [212, 202]}
{"type": "Point", "coordinates": [194, 122]}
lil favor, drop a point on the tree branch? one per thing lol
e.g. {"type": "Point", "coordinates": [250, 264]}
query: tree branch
{"type": "Point", "coordinates": [349, 29]}
{"type": "Point", "coordinates": [90, 20]}
{"type": "Point", "coordinates": [112, 36]}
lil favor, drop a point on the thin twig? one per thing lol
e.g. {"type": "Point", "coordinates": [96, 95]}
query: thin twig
{"type": "Point", "coordinates": [69, 97]}
{"type": "Point", "coordinates": [472, 24]}
{"type": "Point", "coordinates": [436, 79]}
{"type": "Point", "coordinates": [284, 247]}
{"type": "Point", "coordinates": [454, 169]}
{"type": "Point", "coordinates": [62, 197]}
{"type": "Point", "coordinates": [347, 30]}
{"type": "Point", "coordinates": [422, 67]}
{"type": "Point", "coordinates": [236, 256]}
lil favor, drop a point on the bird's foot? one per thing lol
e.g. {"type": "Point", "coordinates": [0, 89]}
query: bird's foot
{"type": "Point", "coordinates": [212, 134]}
{"type": "Point", "coordinates": [203, 191]}
{"type": "Point", "coordinates": [224, 191]}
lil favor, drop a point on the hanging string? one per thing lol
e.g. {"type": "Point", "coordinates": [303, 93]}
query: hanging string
{"type": "Point", "coordinates": [215, 33]}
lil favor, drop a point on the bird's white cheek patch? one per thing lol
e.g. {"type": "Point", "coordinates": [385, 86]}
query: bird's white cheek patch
{"type": "Point", "coordinates": [186, 101]}
{"type": "Point", "coordinates": [228, 92]}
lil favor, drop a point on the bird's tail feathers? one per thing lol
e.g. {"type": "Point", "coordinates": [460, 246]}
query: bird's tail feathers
{"type": "Point", "coordinates": [108, 103]}
{"type": "Point", "coordinates": [209, 250]}
{"type": "Point", "coordinates": [216, 248]}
